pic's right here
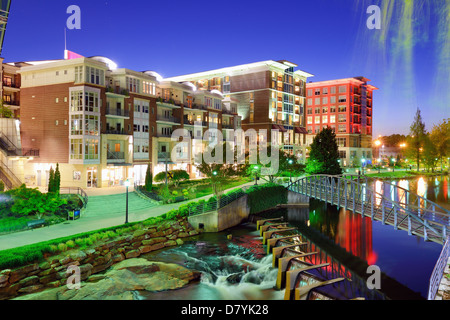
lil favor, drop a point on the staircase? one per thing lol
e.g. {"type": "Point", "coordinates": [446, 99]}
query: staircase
{"type": "Point", "coordinates": [8, 177]}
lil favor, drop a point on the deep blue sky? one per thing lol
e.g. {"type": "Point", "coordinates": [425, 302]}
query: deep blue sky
{"type": "Point", "coordinates": [327, 38]}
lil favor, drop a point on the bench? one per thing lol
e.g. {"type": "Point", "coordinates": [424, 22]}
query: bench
{"type": "Point", "coordinates": [179, 199]}
{"type": "Point", "coordinates": [36, 223]}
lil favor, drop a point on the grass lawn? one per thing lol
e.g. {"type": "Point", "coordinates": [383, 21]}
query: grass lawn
{"type": "Point", "coordinates": [10, 224]}
{"type": "Point", "coordinates": [395, 174]}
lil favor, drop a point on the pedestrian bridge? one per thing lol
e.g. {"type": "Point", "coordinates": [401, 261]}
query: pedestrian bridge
{"type": "Point", "coordinates": [382, 201]}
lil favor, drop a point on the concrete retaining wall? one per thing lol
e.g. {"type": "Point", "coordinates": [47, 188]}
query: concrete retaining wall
{"type": "Point", "coordinates": [226, 217]}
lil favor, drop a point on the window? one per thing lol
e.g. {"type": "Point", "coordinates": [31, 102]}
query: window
{"type": "Point", "coordinates": [91, 125]}
{"type": "Point", "coordinates": [309, 111]}
{"type": "Point", "coordinates": [91, 102]}
{"type": "Point", "coordinates": [325, 91]}
{"type": "Point", "coordinates": [76, 124]}
{"type": "Point", "coordinates": [310, 102]}
{"type": "Point", "coordinates": [76, 101]}
{"type": "Point", "coordinates": [133, 84]}
{"type": "Point", "coordinates": [309, 92]}
{"type": "Point", "coordinates": [317, 119]}
{"type": "Point", "coordinates": [342, 128]}
{"type": "Point", "coordinates": [76, 149]}
{"type": "Point", "coordinates": [342, 109]}
{"type": "Point", "coordinates": [342, 154]}
{"type": "Point", "coordinates": [333, 90]}
{"type": "Point", "coordinates": [342, 99]}
{"type": "Point", "coordinates": [341, 142]}
{"type": "Point", "coordinates": [317, 101]}
{"type": "Point", "coordinates": [317, 92]}
{"type": "Point", "coordinates": [91, 149]}
{"type": "Point", "coordinates": [332, 119]}
{"type": "Point", "coordinates": [316, 110]}
{"type": "Point", "coordinates": [342, 118]}
{"type": "Point", "coordinates": [95, 76]}
{"type": "Point", "coordinates": [324, 119]}
{"type": "Point", "coordinates": [342, 89]}
{"type": "Point", "coordinates": [332, 99]}
{"type": "Point", "coordinates": [325, 100]}
{"type": "Point", "coordinates": [309, 121]}
{"type": "Point", "coordinates": [332, 109]}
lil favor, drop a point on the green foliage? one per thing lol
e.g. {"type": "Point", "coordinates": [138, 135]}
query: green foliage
{"type": "Point", "coordinates": [51, 180]}
{"type": "Point", "coordinates": [57, 179]}
{"type": "Point", "coordinates": [263, 197]}
{"type": "Point", "coordinates": [2, 186]}
{"type": "Point", "coordinates": [28, 201]}
{"type": "Point", "coordinates": [417, 138]}
{"type": "Point", "coordinates": [324, 154]}
{"type": "Point", "coordinates": [148, 178]}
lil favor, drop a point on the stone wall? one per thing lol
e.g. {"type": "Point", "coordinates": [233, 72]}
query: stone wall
{"type": "Point", "coordinates": [52, 271]}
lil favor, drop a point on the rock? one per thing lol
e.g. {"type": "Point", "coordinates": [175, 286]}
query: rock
{"type": "Point", "coordinates": [29, 281]}
{"type": "Point", "coordinates": [183, 235]}
{"type": "Point", "coordinates": [118, 257]}
{"type": "Point", "coordinates": [78, 255]}
{"type": "Point", "coordinates": [65, 260]}
{"type": "Point", "coordinates": [235, 278]}
{"type": "Point", "coordinates": [31, 289]}
{"type": "Point", "coordinates": [179, 242]}
{"type": "Point", "coordinates": [193, 233]}
{"type": "Point", "coordinates": [44, 265]}
{"type": "Point", "coordinates": [170, 243]}
{"type": "Point", "coordinates": [139, 233]}
{"type": "Point", "coordinates": [132, 254]}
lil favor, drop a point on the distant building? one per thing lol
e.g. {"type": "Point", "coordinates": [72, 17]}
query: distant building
{"type": "Point", "coordinates": [270, 96]}
{"type": "Point", "coordinates": [345, 105]}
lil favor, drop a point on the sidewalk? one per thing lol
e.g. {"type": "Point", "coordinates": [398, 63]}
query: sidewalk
{"type": "Point", "coordinates": [90, 222]}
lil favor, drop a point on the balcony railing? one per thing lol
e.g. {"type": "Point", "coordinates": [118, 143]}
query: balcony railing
{"type": "Point", "coordinates": [163, 135]}
{"type": "Point", "coordinates": [10, 84]}
{"type": "Point", "coordinates": [169, 102]}
{"type": "Point", "coordinates": [115, 155]}
{"type": "Point", "coordinates": [227, 111]}
{"type": "Point", "coordinates": [118, 112]}
{"type": "Point", "coordinates": [118, 90]}
{"type": "Point", "coordinates": [115, 131]}
{"type": "Point", "coordinates": [168, 119]}
{"type": "Point", "coordinates": [12, 102]}
{"type": "Point", "coordinates": [227, 126]}
{"type": "Point", "coordinates": [193, 123]}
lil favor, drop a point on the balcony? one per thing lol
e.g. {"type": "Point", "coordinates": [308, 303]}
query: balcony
{"type": "Point", "coordinates": [194, 123]}
{"type": "Point", "coordinates": [12, 103]}
{"type": "Point", "coordinates": [115, 156]}
{"type": "Point", "coordinates": [115, 131]}
{"type": "Point", "coordinates": [228, 112]}
{"type": "Point", "coordinates": [163, 135]}
{"type": "Point", "coordinates": [169, 119]}
{"type": "Point", "coordinates": [117, 91]}
{"type": "Point", "coordinates": [227, 126]}
{"type": "Point", "coordinates": [168, 103]}
{"type": "Point", "coordinates": [10, 84]}
{"type": "Point", "coordinates": [121, 113]}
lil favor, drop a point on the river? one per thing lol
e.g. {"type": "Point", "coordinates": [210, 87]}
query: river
{"type": "Point", "coordinates": [238, 268]}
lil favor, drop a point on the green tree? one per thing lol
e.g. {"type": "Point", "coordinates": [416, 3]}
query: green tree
{"type": "Point", "coordinates": [324, 154]}
{"type": "Point", "coordinates": [430, 154]}
{"type": "Point", "coordinates": [57, 180]}
{"type": "Point", "coordinates": [417, 138]}
{"type": "Point", "coordinates": [148, 178]}
{"type": "Point", "coordinates": [440, 137]}
{"type": "Point", "coordinates": [4, 111]}
{"type": "Point", "coordinates": [51, 181]}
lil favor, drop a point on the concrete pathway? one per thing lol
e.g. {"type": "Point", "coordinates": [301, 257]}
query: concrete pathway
{"type": "Point", "coordinates": [102, 211]}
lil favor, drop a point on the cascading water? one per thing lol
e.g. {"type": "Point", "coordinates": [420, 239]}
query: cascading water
{"type": "Point", "coordinates": [236, 269]}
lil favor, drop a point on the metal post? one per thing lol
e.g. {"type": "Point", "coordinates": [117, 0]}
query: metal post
{"type": "Point", "coordinates": [353, 192]}
{"type": "Point", "coordinates": [332, 195]}
{"type": "Point", "coordinates": [409, 225]}
{"type": "Point", "coordinates": [345, 194]}
{"type": "Point", "coordinates": [395, 216]}
{"type": "Point", "coordinates": [372, 205]}
{"type": "Point", "coordinates": [383, 211]}
{"type": "Point", "coordinates": [126, 210]}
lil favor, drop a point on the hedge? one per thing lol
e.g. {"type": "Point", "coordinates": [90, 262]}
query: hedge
{"type": "Point", "coordinates": [260, 198]}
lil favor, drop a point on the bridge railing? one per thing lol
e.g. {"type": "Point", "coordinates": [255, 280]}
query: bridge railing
{"type": "Point", "coordinates": [388, 201]}
{"type": "Point", "coordinates": [438, 271]}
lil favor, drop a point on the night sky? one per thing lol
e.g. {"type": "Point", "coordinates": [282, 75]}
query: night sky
{"type": "Point", "coordinates": [407, 59]}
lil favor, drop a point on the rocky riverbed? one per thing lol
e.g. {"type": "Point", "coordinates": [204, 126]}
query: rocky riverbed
{"type": "Point", "coordinates": [123, 281]}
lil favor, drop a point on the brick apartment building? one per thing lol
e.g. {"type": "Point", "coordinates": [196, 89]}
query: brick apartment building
{"type": "Point", "coordinates": [345, 105]}
{"type": "Point", "coordinates": [270, 95]}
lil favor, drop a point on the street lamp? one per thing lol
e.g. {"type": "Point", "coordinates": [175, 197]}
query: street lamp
{"type": "Point", "coordinates": [290, 161]}
{"type": "Point", "coordinates": [255, 168]}
{"type": "Point", "coordinates": [127, 184]}
{"type": "Point", "coordinates": [379, 165]}
{"type": "Point", "coordinates": [362, 166]}
{"type": "Point", "coordinates": [393, 166]}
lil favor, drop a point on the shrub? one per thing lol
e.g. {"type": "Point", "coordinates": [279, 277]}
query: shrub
{"type": "Point", "coordinates": [70, 244]}
{"type": "Point", "coordinates": [62, 247]}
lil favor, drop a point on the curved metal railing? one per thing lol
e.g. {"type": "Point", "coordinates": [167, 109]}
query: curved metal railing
{"type": "Point", "coordinates": [385, 202]}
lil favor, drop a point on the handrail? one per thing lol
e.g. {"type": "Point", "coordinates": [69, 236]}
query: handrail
{"type": "Point", "coordinates": [15, 182]}
{"type": "Point", "coordinates": [438, 271]}
{"type": "Point", "coordinates": [79, 191]}
{"type": "Point", "coordinates": [428, 217]}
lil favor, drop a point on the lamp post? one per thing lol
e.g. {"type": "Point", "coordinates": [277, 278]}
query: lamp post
{"type": "Point", "coordinates": [362, 166]}
{"type": "Point", "coordinates": [255, 168]}
{"type": "Point", "coordinates": [127, 184]}
{"type": "Point", "coordinates": [290, 161]}
{"type": "Point", "coordinates": [393, 166]}
{"type": "Point", "coordinates": [379, 165]}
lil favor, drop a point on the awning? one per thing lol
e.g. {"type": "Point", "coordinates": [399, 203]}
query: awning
{"type": "Point", "coordinates": [279, 127]}
{"type": "Point", "coordinates": [300, 130]}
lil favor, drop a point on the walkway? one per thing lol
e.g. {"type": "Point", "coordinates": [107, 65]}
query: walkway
{"type": "Point", "coordinates": [102, 211]}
